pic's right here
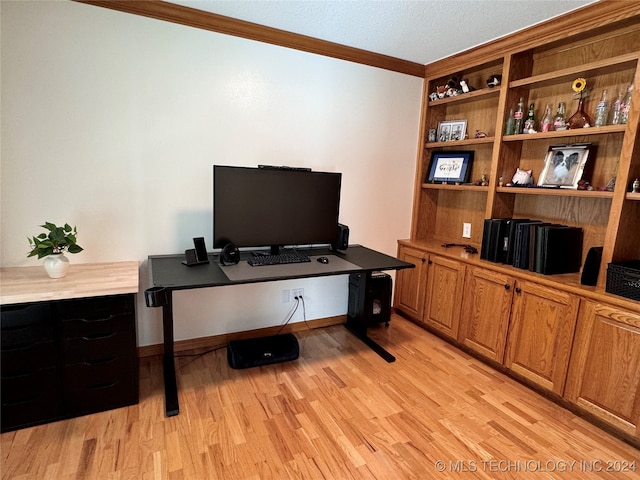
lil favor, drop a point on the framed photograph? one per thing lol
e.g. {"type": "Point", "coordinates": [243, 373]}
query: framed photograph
{"type": "Point", "coordinates": [564, 165]}
{"type": "Point", "coordinates": [450, 167]}
{"type": "Point", "coordinates": [452, 130]}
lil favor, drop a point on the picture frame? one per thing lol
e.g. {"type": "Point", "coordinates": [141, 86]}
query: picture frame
{"type": "Point", "coordinates": [564, 165]}
{"type": "Point", "coordinates": [452, 130]}
{"type": "Point", "coordinates": [450, 167]}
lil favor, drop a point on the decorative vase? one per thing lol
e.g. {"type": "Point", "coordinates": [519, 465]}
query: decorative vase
{"type": "Point", "coordinates": [56, 265]}
{"type": "Point", "coordinates": [580, 119]}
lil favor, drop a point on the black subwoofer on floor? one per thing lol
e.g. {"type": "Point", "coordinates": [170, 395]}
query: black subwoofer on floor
{"type": "Point", "coordinates": [254, 352]}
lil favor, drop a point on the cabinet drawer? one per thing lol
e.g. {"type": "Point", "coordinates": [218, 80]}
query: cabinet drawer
{"type": "Point", "coordinates": [99, 326]}
{"type": "Point", "coordinates": [29, 399]}
{"type": "Point", "coordinates": [94, 390]}
{"type": "Point", "coordinates": [24, 325]}
{"type": "Point", "coordinates": [97, 373]}
{"type": "Point", "coordinates": [29, 357]}
{"type": "Point", "coordinates": [98, 346]}
{"type": "Point", "coordinates": [94, 311]}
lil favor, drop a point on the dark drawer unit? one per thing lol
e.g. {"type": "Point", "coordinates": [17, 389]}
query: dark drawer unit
{"type": "Point", "coordinates": [67, 358]}
{"type": "Point", "coordinates": [31, 379]}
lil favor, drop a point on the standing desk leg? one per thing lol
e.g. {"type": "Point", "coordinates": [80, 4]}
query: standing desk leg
{"type": "Point", "coordinates": [170, 385]}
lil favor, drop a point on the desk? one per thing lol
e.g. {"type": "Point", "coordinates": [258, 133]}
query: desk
{"type": "Point", "coordinates": [169, 274]}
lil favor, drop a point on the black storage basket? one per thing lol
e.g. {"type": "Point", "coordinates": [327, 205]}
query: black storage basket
{"type": "Point", "coordinates": [623, 279]}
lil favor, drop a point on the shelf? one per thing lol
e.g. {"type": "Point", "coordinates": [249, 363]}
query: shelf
{"type": "Point", "coordinates": [466, 97]}
{"type": "Point", "coordinates": [466, 187]}
{"type": "Point", "coordinates": [563, 192]}
{"type": "Point", "coordinates": [633, 196]}
{"type": "Point", "coordinates": [460, 143]}
{"type": "Point", "coordinates": [609, 65]}
{"type": "Point", "coordinates": [578, 132]}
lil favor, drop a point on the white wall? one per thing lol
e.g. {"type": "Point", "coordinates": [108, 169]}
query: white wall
{"type": "Point", "coordinates": [112, 122]}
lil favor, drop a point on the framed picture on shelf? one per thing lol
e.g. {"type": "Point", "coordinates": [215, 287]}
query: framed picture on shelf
{"type": "Point", "coordinates": [452, 130]}
{"type": "Point", "coordinates": [450, 167]}
{"type": "Point", "coordinates": [564, 165]}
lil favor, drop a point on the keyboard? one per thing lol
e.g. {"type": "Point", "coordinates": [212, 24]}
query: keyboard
{"type": "Point", "coordinates": [280, 259]}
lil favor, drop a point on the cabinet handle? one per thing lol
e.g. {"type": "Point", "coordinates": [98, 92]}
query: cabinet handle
{"type": "Point", "coordinates": [507, 286]}
{"type": "Point", "coordinates": [423, 259]}
{"type": "Point", "coordinates": [518, 290]}
{"type": "Point", "coordinates": [430, 262]}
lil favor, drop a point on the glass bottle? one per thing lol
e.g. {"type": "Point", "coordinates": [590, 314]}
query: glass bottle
{"type": "Point", "coordinates": [626, 105]}
{"type": "Point", "coordinates": [510, 126]}
{"type": "Point", "coordinates": [602, 111]}
{"type": "Point", "coordinates": [530, 122]}
{"type": "Point", "coordinates": [558, 121]}
{"type": "Point", "coordinates": [616, 110]}
{"type": "Point", "coordinates": [519, 117]}
{"type": "Point", "coordinates": [546, 124]}
{"type": "Point", "coordinates": [580, 119]}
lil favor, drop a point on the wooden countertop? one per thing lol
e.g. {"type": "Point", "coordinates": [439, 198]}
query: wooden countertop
{"type": "Point", "coordinates": [32, 284]}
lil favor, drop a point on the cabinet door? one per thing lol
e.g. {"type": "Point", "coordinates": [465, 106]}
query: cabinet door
{"type": "Point", "coordinates": [540, 334]}
{"type": "Point", "coordinates": [444, 295]}
{"type": "Point", "coordinates": [411, 283]}
{"type": "Point", "coordinates": [486, 306]}
{"type": "Point", "coordinates": [604, 372]}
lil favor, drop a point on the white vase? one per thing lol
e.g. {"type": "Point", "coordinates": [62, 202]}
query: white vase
{"type": "Point", "coordinates": [56, 265]}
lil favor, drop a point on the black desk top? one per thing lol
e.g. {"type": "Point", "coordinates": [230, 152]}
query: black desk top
{"type": "Point", "coordinates": [168, 270]}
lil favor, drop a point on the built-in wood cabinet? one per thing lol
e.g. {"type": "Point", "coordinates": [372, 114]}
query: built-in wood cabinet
{"type": "Point", "coordinates": [445, 279]}
{"type": "Point", "coordinates": [411, 283]}
{"type": "Point", "coordinates": [540, 334]}
{"type": "Point", "coordinates": [485, 312]}
{"type": "Point", "coordinates": [431, 293]}
{"type": "Point", "coordinates": [600, 43]}
{"type": "Point", "coordinates": [526, 320]}
{"type": "Point", "coordinates": [604, 372]}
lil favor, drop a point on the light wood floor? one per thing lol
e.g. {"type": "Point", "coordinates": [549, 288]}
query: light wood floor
{"type": "Point", "coordinates": [339, 412]}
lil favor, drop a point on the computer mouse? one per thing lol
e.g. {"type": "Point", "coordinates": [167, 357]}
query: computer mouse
{"type": "Point", "coordinates": [323, 259]}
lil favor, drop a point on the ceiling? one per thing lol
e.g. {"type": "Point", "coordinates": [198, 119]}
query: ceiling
{"type": "Point", "coordinates": [420, 31]}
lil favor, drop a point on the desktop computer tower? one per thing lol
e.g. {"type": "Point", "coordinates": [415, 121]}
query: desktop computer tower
{"type": "Point", "coordinates": [369, 301]}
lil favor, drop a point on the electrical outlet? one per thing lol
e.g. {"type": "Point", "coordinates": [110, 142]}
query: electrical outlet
{"type": "Point", "coordinates": [466, 230]}
{"type": "Point", "coordinates": [286, 296]}
{"type": "Point", "coordinates": [297, 292]}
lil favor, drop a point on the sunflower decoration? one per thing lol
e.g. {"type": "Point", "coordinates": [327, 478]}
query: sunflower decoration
{"type": "Point", "coordinates": [580, 87]}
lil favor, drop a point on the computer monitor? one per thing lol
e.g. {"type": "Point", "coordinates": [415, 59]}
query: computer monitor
{"type": "Point", "coordinates": [274, 207]}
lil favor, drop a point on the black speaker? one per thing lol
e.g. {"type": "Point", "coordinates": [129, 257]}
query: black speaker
{"type": "Point", "coordinates": [230, 255]}
{"type": "Point", "coordinates": [591, 266]}
{"type": "Point", "coordinates": [342, 239]}
{"type": "Point", "coordinates": [254, 352]}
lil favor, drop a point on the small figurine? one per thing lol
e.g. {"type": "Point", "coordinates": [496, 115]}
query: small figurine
{"type": "Point", "coordinates": [494, 80]}
{"type": "Point", "coordinates": [522, 177]}
{"type": "Point", "coordinates": [484, 180]}
{"type": "Point", "coordinates": [480, 134]}
{"type": "Point", "coordinates": [636, 186]}
{"type": "Point", "coordinates": [501, 181]}
{"type": "Point", "coordinates": [464, 85]}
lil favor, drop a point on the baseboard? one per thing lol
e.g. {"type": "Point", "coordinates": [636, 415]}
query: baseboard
{"type": "Point", "coordinates": [219, 340]}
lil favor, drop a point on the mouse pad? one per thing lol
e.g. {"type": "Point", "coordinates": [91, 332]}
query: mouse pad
{"type": "Point", "coordinates": [243, 271]}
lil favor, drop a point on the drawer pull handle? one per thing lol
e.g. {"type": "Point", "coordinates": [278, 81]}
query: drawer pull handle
{"type": "Point", "coordinates": [100, 336]}
{"type": "Point", "coordinates": [518, 290]}
{"type": "Point", "coordinates": [99, 386]}
{"type": "Point", "coordinates": [96, 320]}
{"type": "Point", "coordinates": [507, 286]}
{"type": "Point", "coordinates": [100, 361]}
{"type": "Point", "coordinates": [18, 402]}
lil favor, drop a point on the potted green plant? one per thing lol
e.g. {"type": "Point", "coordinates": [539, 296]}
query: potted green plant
{"type": "Point", "coordinates": [53, 245]}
